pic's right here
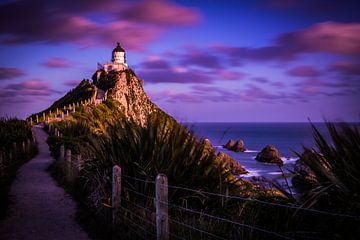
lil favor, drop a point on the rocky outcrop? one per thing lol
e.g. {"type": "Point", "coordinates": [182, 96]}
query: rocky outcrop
{"type": "Point", "coordinates": [127, 89]}
{"type": "Point", "coordinates": [231, 164]}
{"type": "Point", "coordinates": [237, 146]}
{"type": "Point", "coordinates": [269, 154]}
{"type": "Point", "coordinates": [304, 178]}
{"type": "Point", "coordinates": [208, 145]}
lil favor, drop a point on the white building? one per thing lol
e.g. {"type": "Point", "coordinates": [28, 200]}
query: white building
{"type": "Point", "coordinates": [118, 60]}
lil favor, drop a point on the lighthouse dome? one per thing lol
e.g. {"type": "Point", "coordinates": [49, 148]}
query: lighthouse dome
{"type": "Point", "coordinates": [118, 48]}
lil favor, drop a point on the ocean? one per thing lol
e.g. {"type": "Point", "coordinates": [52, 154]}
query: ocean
{"type": "Point", "coordinates": [288, 138]}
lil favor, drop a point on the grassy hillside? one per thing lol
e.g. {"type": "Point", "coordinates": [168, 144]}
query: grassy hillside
{"type": "Point", "coordinates": [82, 92]}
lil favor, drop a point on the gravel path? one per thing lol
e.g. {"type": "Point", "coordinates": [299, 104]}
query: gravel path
{"type": "Point", "coordinates": [40, 209]}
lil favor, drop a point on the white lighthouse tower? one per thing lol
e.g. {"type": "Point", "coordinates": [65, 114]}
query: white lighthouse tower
{"type": "Point", "coordinates": [118, 60]}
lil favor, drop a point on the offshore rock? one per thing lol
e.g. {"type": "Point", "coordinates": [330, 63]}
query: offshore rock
{"type": "Point", "coordinates": [237, 146]}
{"type": "Point", "coordinates": [269, 154]}
{"type": "Point", "coordinates": [231, 164]}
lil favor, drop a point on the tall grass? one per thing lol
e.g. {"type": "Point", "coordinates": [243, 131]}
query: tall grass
{"type": "Point", "coordinates": [164, 146]}
{"type": "Point", "coordinates": [336, 165]}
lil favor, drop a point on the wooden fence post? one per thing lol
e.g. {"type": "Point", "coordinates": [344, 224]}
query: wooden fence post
{"type": "Point", "coordinates": [1, 164]}
{"type": "Point", "coordinates": [78, 164]}
{"type": "Point", "coordinates": [37, 119]}
{"type": "Point", "coordinates": [15, 151]}
{"type": "Point", "coordinates": [116, 192]}
{"type": "Point", "coordinates": [28, 145]}
{"type": "Point", "coordinates": [62, 152]}
{"type": "Point", "coordinates": [162, 218]}
{"type": "Point", "coordinates": [68, 165]}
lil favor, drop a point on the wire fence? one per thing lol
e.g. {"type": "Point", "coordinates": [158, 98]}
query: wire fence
{"type": "Point", "coordinates": [13, 157]}
{"type": "Point", "coordinates": [143, 212]}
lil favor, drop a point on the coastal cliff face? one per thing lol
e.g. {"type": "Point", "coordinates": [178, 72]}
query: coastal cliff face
{"type": "Point", "coordinates": [134, 102]}
{"type": "Point", "coordinates": [126, 88]}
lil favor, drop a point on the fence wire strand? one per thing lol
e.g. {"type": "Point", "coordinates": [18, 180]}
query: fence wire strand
{"type": "Point", "coordinates": [137, 205]}
{"type": "Point", "coordinates": [138, 179]}
{"type": "Point", "coordinates": [253, 227]}
{"type": "Point", "coordinates": [298, 208]}
{"type": "Point", "coordinates": [139, 193]}
{"type": "Point", "coordinates": [142, 218]}
{"type": "Point", "coordinates": [196, 229]}
{"type": "Point", "coordinates": [137, 225]}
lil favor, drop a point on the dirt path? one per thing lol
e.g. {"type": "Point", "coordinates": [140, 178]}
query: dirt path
{"type": "Point", "coordinates": [40, 209]}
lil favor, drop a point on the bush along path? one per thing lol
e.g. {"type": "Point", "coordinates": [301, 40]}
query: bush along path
{"type": "Point", "coordinates": [40, 209]}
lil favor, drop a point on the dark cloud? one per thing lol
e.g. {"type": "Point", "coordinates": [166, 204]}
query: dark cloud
{"type": "Point", "coordinates": [155, 63]}
{"type": "Point", "coordinates": [260, 79]}
{"type": "Point", "coordinates": [345, 10]}
{"type": "Point", "coordinates": [10, 73]}
{"type": "Point", "coordinates": [205, 93]}
{"type": "Point", "coordinates": [69, 21]}
{"type": "Point", "coordinates": [201, 58]}
{"type": "Point", "coordinates": [56, 62]}
{"type": "Point", "coordinates": [27, 88]}
{"type": "Point", "coordinates": [304, 71]}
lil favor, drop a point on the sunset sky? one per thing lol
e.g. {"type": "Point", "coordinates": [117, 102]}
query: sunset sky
{"type": "Point", "coordinates": [214, 61]}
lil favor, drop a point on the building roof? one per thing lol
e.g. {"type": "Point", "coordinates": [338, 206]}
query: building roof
{"type": "Point", "coordinates": [118, 48]}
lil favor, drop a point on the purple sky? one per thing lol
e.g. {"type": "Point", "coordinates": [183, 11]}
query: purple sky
{"type": "Point", "coordinates": [230, 61]}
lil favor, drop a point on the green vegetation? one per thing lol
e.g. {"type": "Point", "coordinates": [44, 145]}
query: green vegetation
{"type": "Point", "coordinates": [16, 147]}
{"type": "Point", "coordinates": [84, 91]}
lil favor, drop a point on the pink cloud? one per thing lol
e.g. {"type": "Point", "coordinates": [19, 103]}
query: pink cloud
{"type": "Point", "coordinates": [229, 75]}
{"type": "Point", "coordinates": [71, 83]}
{"type": "Point", "coordinates": [161, 12]}
{"type": "Point", "coordinates": [278, 84]}
{"type": "Point", "coordinates": [173, 76]}
{"type": "Point", "coordinates": [173, 96]}
{"type": "Point", "coordinates": [56, 62]}
{"type": "Point", "coordinates": [27, 88]}
{"type": "Point", "coordinates": [346, 68]}
{"type": "Point", "coordinates": [329, 37]}
{"type": "Point", "coordinates": [10, 73]}
{"type": "Point", "coordinates": [304, 71]}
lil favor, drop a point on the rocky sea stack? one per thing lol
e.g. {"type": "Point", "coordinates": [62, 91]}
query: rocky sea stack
{"type": "Point", "coordinates": [269, 154]}
{"type": "Point", "coordinates": [237, 146]}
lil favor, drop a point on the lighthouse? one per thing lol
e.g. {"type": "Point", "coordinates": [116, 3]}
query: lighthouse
{"type": "Point", "coordinates": [118, 60]}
